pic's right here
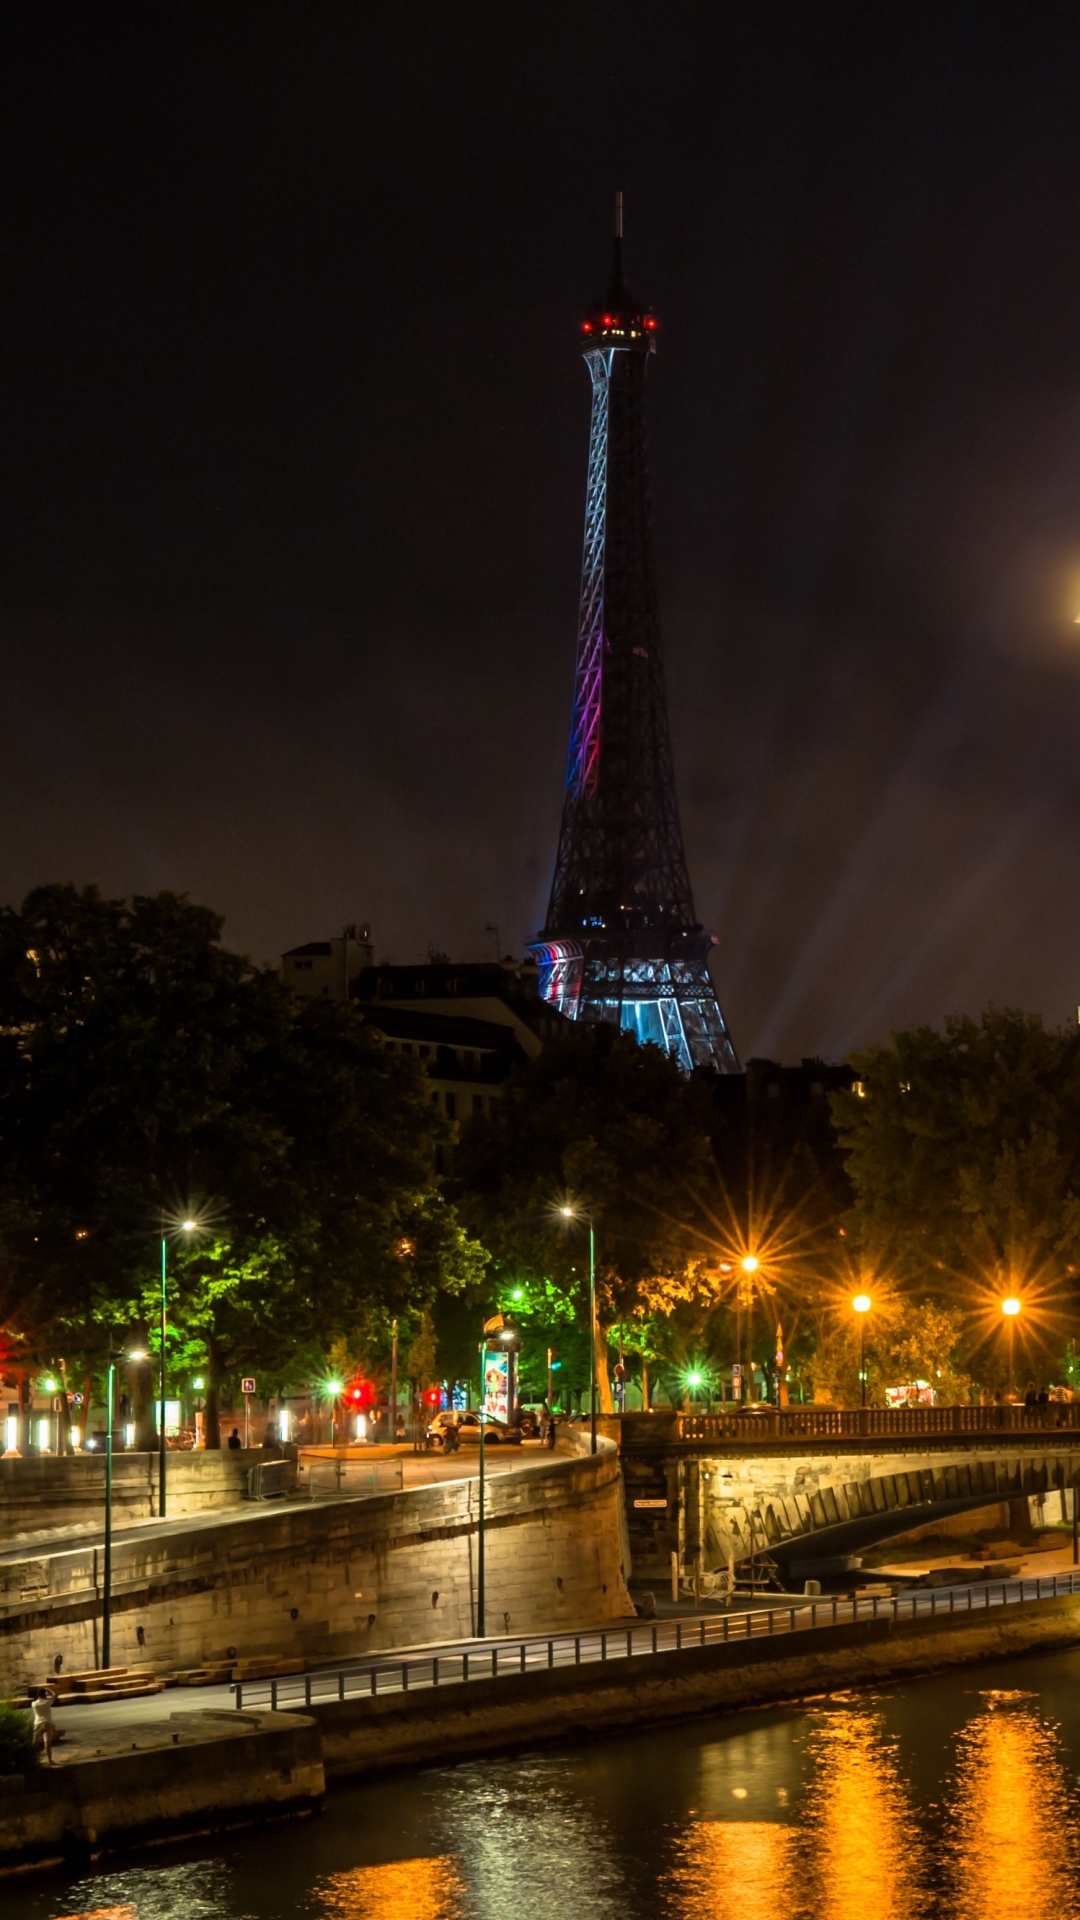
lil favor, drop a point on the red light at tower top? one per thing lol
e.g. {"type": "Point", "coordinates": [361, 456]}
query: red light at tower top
{"type": "Point", "coordinates": [650, 321]}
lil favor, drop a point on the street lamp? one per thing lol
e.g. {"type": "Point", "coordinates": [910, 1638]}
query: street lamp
{"type": "Point", "coordinates": [480, 1568]}
{"type": "Point", "coordinates": [749, 1265]}
{"type": "Point", "coordinates": [136, 1353]}
{"type": "Point", "coordinates": [1011, 1309]}
{"type": "Point", "coordinates": [186, 1226]}
{"type": "Point", "coordinates": [581, 1213]}
{"type": "Point", "coordinates": [862, 1304]}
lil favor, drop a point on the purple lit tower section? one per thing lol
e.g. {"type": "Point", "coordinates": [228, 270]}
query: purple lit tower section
{"type": "Point", "coordinates": [622, 943]}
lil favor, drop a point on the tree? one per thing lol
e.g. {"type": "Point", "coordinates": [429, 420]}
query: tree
{"type": "Point", "coordinates": [605, 1126]}
{"type": "Point", "coordinates": [146, 1073]}
{"type": "Point", "coordinates": [906, 1341]}
{"type": "Point", "coordinates": [963, 1149]}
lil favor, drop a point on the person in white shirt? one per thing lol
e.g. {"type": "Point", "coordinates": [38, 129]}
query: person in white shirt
{"type": "Point", "coordinates": [45, 1731]}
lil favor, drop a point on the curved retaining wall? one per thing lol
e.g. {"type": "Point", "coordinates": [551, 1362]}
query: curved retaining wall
{"type": "Point", "coordinates": [333, 1579]}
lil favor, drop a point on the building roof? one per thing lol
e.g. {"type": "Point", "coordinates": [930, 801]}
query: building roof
{"type": "Point", "coordinates": [312, 948]}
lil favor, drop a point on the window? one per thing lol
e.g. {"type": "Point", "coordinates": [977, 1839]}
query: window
{"type": "Point", "coordinates": [423, 1052]}
{"type": "Point", "coordinates": [451, 986]}
{"type": "Point", "coordinates": [478, 1103]}
{"type": "Point", "coordinates": [451, 1106]}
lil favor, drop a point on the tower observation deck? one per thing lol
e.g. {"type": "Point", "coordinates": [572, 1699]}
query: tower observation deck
{"type": "Point", "coordinates": [621, 942]}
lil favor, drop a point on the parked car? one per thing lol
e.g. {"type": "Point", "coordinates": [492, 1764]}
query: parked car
{"type": "Point", "coordinates": [496, 1432]}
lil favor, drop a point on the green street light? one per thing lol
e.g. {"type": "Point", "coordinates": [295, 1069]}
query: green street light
{"type": "Point", "coordinates": [332, 1388]}
{"type": "Point", "coordinates": [136, 1353]}
{"type": "Point", "coordinates": [581, 1213]}
{"type": "Point", "coordinates": [186, 1226]}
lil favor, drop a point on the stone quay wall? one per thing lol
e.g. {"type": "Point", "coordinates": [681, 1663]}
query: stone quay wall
{"type": "Point", "coordinates": [198, 1773]}
{"type": "Point", "coordinates": [48, 1491]}
{"type": "Point", "coordinates": [334, 1578]}
{"type": "Point", "coordinates": [365, 1736]}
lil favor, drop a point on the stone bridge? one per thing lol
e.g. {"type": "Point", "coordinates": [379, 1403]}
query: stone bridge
{"type": "Point", "coordinates": [806, 1486]}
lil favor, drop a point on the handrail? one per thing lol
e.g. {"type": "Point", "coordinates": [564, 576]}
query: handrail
{"type": "Point", "coordinates": [503, 1658]}
{"type": "Point", "coordinates": [835, 1423]}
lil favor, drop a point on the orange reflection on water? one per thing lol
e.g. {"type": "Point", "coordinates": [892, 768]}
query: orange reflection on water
{"type": "Point", "coordinates": [1013, 1844]}
{"type": "Point", "coordinates": [729, 1865]}
{"type": "Point", "coordinates": [862, 1846]}
{"type": "Point", "coordinates": [423, 1889]}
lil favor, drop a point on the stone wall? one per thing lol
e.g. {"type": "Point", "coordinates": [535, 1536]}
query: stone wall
{"type": "Point", "coordinates": [45, 1491]}
{"type": "Point", "coordinates": [334, 1579]}
{"type": "Point", "coordinates": [194, 1773]}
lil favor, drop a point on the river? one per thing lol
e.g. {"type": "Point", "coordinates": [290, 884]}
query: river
{"type": "Point", "coordinates": [956, 1796]}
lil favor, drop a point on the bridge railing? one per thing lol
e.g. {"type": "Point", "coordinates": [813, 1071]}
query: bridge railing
{"type": "Point", "coordinates": [834, 1423]}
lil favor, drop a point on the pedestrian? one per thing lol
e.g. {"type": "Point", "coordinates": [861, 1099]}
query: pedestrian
{"type": "Point", "coordinates": [1031, 1397]}
{"type": "Point", "coordinates": [1043, 1399]}
{"type": "Point", "coordinates": [46, 1734]}
{"type": "Point", "coordinates": [234, 1442]}
{"type": "Point", "coordinates": [549, 1431]}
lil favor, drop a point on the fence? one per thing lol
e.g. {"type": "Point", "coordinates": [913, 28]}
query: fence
{"type": "Point", "coordinates": [352, 1479]}
{"type": "Point", "coordinates": [832, 1423]}
{"type": "Point", "coordinates": [499, 1659]}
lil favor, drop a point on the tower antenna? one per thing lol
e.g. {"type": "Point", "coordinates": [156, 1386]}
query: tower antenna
{"type": "Point", "coordinates": [618, 216]}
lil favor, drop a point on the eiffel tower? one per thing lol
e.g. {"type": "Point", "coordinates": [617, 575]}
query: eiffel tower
{"type": "Point", "coordinates": [622, 942]}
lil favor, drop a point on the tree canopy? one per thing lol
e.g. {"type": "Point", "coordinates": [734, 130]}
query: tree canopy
{"type": "Point", "coordinates": [147, 1074]}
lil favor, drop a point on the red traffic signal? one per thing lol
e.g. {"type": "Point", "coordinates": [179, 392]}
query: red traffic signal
{"type": "Point", "coordinates": [433, 1396]}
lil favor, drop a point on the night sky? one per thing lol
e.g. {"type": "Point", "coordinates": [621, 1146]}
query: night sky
{"type": "Point", "coordinates": [293, 446]}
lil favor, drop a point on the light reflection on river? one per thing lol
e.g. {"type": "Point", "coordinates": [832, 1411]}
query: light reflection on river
{"type": "Point", "coordinates": [955, 1796]}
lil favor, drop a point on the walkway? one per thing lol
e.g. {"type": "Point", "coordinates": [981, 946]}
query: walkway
{"type": "Point", "coordinates": [418, 1470]}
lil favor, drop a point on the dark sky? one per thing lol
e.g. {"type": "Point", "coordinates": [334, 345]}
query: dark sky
{"type": "Point", "coordinates": [293, 443]}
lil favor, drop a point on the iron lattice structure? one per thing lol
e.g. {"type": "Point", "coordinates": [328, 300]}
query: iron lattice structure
{"type": "Point", "coordinates": [622, 942]}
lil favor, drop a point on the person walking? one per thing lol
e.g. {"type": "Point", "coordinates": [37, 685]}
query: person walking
{"type": "Point", "coordinates": [549, 1431]}
{"type": "Point", "coordinates": [46, 1733]}
{"type": "Point", "coordinates": [1031, 1397]}
{"type": "Point", "coordinates": [234, 1442]}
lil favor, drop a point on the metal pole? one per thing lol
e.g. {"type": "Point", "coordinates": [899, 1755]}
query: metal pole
{"type": "Point", "coordinates": [393, 1383]}
{"type": "Point", "coordinates": [862, 1355]}
{"type": "Point", "coordinates": [480, 1595]}
{"type": "Point", "coordinates": [161, 1399]}
{"type": "Point", "coordinates": [592, 1337]}
{"type": "Point", "coordinates": [106, 1623]}
{"type": "Point", "coordinates": [1076, 1536]}
{"type": "Point", "coordinates": [551, 1401]}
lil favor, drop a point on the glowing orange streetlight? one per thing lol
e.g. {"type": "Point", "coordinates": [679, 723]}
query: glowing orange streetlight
{"type": "Point", "coordinates": [1011, 1310]}
{"type": "Point", "coordinates": [861, 1305]}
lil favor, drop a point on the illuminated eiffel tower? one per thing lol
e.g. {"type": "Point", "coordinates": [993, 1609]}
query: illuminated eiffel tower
{"type": "Point", "coordinates": [622, 943]}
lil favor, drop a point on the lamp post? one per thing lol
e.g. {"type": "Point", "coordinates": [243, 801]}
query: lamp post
{"type": "Point", "coordinates": [580, 1213]}
{"type": "Point", "coordinates": [106, 1621]}
{"type": "Point", "coordinates": [1011, 1310]}
{"type": "Point", "coordinates": [186, 1226]}
{"type": "Point", "coordinates": [749, 1265]}
{"type": "Point", "coordinates": [862, 1304]}
{"type": "Point", "coordinates": [480, 1595]}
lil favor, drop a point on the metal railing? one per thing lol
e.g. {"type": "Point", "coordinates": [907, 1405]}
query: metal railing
{"type": "Point", "coordinates": [500, 1659]}
{"type": "Point", "coordinates": [351, 1479]}
{"type": "Point", "coordinates": [832, 1423]}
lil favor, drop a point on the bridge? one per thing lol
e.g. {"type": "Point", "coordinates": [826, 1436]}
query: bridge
{"type": "Point", "coordinates": [805, 1485]}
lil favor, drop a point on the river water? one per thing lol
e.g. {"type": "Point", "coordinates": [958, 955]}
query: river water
{"type": "Point", "coordinates": [956, 1796]}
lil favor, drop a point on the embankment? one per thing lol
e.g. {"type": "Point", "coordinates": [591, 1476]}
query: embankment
{"type": "Point", "coordinates": [331, 1579]}
{"type": "Point", "coordinates": [366, 1736]}
{"type": "Point", "coordinates": [195, 1773]}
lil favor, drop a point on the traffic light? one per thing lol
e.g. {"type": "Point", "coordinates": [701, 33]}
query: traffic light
{"type": "Point", "coordinates": [433, 1396]}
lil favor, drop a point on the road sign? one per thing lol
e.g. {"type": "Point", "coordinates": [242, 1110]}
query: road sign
{"type": "Point", "coordinates": [247, 1386]}
{"type": "Point", "coordinates": [650, 1503]}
